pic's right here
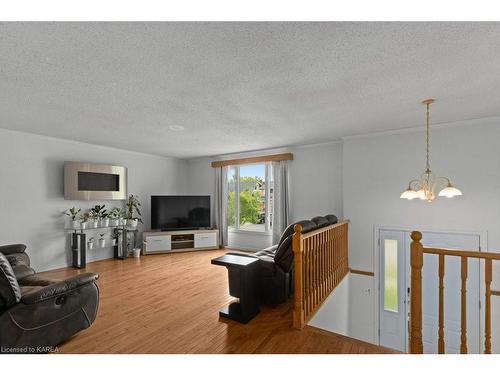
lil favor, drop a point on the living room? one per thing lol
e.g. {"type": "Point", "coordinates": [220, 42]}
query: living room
{"type": "Point", "coordinates": [298, 187]}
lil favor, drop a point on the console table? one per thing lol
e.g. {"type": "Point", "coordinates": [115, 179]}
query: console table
{"type": "Point", "coordinates": [243, 272]}
{"type": "Point", "coordinates": [79, 243]}
{"type": "Point", "coordinates": [158, 242]}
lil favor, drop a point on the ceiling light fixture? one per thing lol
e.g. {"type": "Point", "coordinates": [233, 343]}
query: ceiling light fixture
{"type": "Point", "coordinates": [424, 187]}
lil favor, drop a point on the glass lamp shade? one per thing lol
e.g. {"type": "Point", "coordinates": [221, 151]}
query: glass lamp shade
{"type": "Point", "coordinates": [450, 192]}
{"type": "Point", "coordinates": [421, 194]}
{"type": "Point", "coordinates": [409, 194]}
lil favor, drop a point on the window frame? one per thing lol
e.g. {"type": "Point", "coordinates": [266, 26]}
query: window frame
{"type": "Point", "coordinates": [268, 175]}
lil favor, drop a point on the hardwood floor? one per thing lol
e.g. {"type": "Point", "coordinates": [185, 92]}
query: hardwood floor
{"type": "Point", "coordinates": [169, 304]}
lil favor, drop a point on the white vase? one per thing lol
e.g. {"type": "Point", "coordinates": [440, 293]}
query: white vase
{"type": "Point", "coordinates": [136, 253]}
{"type": "Point", "coordinates": [94, 224]}
{"type": "Point", "coordinates": [104, 222]}
{"type": "Point", "coordinates": [113, 241]}
{"type": "Point", "coordinates": [102, 242]}
{"type": "Point", "coordinates": [76, 224]}
{"type": "Point", "coordinates": [83, 224]}
{"type": "Point", "coordinates": [132, 222]}
{"type": "Point", "coordinates": [90, 245]}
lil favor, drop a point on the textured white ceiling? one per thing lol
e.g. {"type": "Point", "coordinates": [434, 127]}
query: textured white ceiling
{"type": "Point", "coordinates": [241, 86]}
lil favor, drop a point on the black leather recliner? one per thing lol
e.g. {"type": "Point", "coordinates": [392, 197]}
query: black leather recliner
{"type": "Point", "coordinates": [38, 313]}
{"type": "Point", "coordinates": [275, 275]}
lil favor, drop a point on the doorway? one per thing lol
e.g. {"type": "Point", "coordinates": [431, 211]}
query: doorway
{"type": "Point", "coordinates": [394, 275]}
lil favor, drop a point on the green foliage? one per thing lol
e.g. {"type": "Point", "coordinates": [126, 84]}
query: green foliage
{"type": "Point", "coordinates": [84, 217]}
{"type": "Point", "coordinates": [250, 201]}
{"type": "Point", "coordinates": [72, 213]}
{"type": "Point", "coordinates": [249, 207]}
{"type": "Point", "coordinates": [115, 213]}
{"type": "Point", "coordinates": [99, 212]}
{"type": "Point", "coordinates": [132, 208]}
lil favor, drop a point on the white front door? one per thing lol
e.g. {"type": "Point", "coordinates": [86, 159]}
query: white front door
{"type": "Point", "coordinates": [452, 295]}
{"type": "Point", "coordinates": [393, 291]}
{"type": "Point", "coordinates": [392, 302]}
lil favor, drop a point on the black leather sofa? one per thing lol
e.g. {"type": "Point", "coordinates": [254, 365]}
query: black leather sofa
{"type": "Point", "coordinates": [38, 313]}
{"type": "Point", "coordinates": [275, 267]}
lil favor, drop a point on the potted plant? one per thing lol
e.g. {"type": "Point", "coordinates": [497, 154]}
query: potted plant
{"type": "Point", "coordinates": [114, 216]}
{"type": "Point", "coordinates": [84, 220]}
{"type": "Point", "coordinates": [73, 213]}
{"type": "Point", "coordinates": [133, 211]}
{"type": "Point", "coordinates": [92, 219]}
{"type": "Point", "coordinates": [90, 243]}
{"type": "Point", "coordinates": [100, 215]}
{"type": "Point", "coordinates": [102, 240]}
{"type": "Point", "coordinates": [104, 222]}
{"type": "Point", "coordinates": [114, 239]}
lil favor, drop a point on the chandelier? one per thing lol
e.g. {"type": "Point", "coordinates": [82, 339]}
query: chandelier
{"type": "Point", "coordinates": [424, 188]}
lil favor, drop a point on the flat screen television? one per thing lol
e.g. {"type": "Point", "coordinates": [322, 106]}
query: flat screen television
{"type": "Point", "coordinates": [171, 212]}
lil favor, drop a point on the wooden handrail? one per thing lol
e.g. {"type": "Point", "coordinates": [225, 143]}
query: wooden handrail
{"type": "Point", "coordinates": [416, 261]}
{"type": "Point", "coordinates": [462, 253]}
{"type": "Point", "coordinates": [320, 264]}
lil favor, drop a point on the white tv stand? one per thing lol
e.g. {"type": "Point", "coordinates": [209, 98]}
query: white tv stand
{"type": "Point", "coordinates": [158, 242]}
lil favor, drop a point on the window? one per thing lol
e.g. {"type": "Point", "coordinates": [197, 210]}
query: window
{"type": "Point", "coordinates": [391, 275]}
{"type": "Point", "coordinates": [253, 186]}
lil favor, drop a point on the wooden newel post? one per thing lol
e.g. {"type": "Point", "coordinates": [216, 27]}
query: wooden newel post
{"type": "Point", "coordinates": [488, 276]}
{"type": "Point", "coordinates": [416, 262]}
{"type": "Point", "coordinates": [298, 308]}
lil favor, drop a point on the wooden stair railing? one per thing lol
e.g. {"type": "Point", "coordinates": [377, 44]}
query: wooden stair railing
{"type": "Point", "coordinates": [417, 251]}
{"type": "Point", "coordinates": [320, 264]}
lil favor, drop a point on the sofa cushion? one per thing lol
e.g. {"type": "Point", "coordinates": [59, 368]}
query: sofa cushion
{"type": "Point", "coordinates": [320, 221]}
{"type": "Point", "coordinates": [284, 255]}
{"type": "Point", "coordinates": [22, 271]}
{"type": "Point", "coordinates": [35, 280]}
{"type": "Point", "coordinates": [287, 232]}
{"type": "Point", "coordinates": [12, 249]}
{"type": "Point", "coordinates": [332, 219]}
{"type": "Point", "coordinates": [307, 225]}
{"type": "Point", "coordinates": [10, 292]}
{"type": "Point", "coordinates": [267, 267]}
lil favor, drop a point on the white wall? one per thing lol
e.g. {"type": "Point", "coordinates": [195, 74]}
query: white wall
{"type": "Point", "coordinates": [333, 315]}
{"type": "Point", "coordinates": [31, 187]}
{"type": "Point", "coordinates": [315, 184]}
{"type": "Point", "coordinates": [377, 169]}
{"type": "Point", "coordinates": [316, 181]}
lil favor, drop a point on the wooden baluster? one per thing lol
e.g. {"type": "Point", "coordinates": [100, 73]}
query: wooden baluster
{"type": "Point", "coordinates": [305, 275]}
{"type": "Point", "coordinates": [463, 315]}
{"type": "Point", "coordinates": [330, 260]}
{"type": "Point", "coordinates": [323, 265]}
{"type": "Point", "coordinates": [310, 259]}
{"type": "Point", "coordinates": [488, 277]}
{"type": "Point", "coordinates": [441, 305]}
{"type": "Point", "coordinates": [298, 311]}
{"type": "Point", "coordinates": [416, 262]}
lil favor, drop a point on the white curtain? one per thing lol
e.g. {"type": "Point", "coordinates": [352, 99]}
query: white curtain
{"type": "Point", "coordinates": [220, 204]}
{"type": "Point", "coordinates": [281, 199]}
